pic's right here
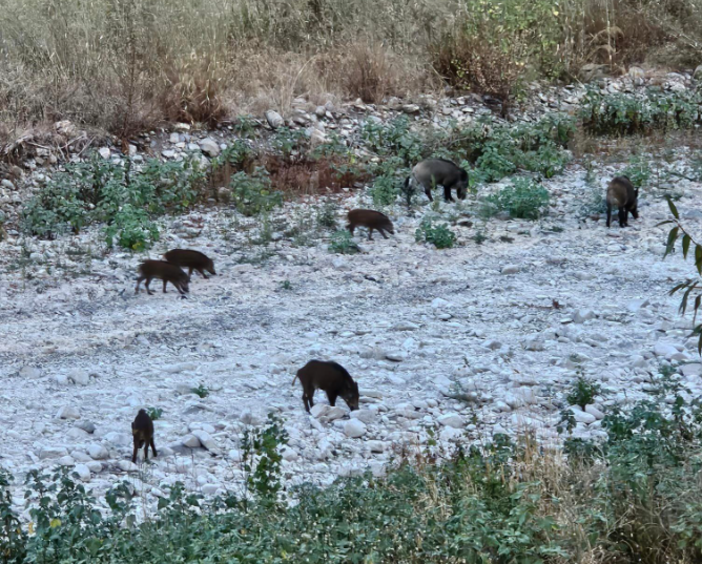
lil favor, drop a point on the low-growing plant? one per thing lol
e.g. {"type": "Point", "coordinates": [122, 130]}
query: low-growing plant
{"type": "Point", "coordinates": [438, 235]}
{"type": "Point", "coordinates": [252, 194]}
{"type": "Point", "coordinates": [583, 392]}
{"type": "Point", "coordinates": [480, 237]}
{"type": "Point", "coordinates": [385, 190]}
{"type": "Point", "coordinates": [638, 170]}
{"type": "Point", "coordinates": [326, 215]}
{"type": "Point", "coordinates": [342, 243]}
{"type": "Point", "coordinates": [200, 390]}
{"type": "Point", "coordinates": [125, 200]}
{"type": "Point", "coordinates": [523, 199]}
{"type": "Point", "coordinates": [154, 412]}
{"type": "Point", "coordinates": [286, 285]}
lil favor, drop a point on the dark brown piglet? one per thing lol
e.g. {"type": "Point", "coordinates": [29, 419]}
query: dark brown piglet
{"type": "Point", "coordinates": [192, 260]}
{"type": "Point", "coordinates": [150, 269]}
{"type": "Point", "coordinates": [143, 434]}
{"type": "Point", "coordinates": [371, 220]}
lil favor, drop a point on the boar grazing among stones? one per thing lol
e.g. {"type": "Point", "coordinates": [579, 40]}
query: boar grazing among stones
{"type": "Point", "coordinates": [371, 220]}
{"type": "Point", "coordinates": [622, 195]}
{"type": "Point", "coordinates": [150, 269]}
{"type": "Point", "coordinates": [192, 260]}
{"type": "Point", "coordinates": [143, 434]}
{"type": "Point", "coordinates": [439, 172]}
{"type": "Point", "coordinates": [330, 377]}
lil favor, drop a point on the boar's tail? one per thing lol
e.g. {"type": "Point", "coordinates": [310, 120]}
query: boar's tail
{"type": "Point", "coordinates": [295, 378]}
{"type": "Point", "coordinates": [407, 183]}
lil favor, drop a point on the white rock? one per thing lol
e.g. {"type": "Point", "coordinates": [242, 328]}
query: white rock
{"type": "Point", "coordinates": [79, 377]}
{"type": "Point", "coordinates": [98, 452]}
{"type": "Point", "coordinates": [104, 152]}
{"type": "Point", "coordinates": [205, 439]}
{"type": "Point", "coordinates": [68, 412]}
{"type": "Point", "coordinates": [29, 372]}
{"type": "Point", "coordinates": [582, 416]}
{"type": "Point", "coordinates": [274, 119]}
{"type": "Point", "coordinates": [592, 410]}
{"type": "Point", "coordinates": [210, 147]}
{"type": "Point", "coordinates": [174, 138]}
{"type": "Point", "coordinates": [451, 420]}
{"type": "Point", "coordinates": [510, 269]}
{"type": "Point", "coordinates": [583, 315]}
{"type": "Point", "coordinates": [127, 466]}
{"type": "Point", "coordinates": [66, 461]}
{"type": "Point", "coordinates": [694, 369]}
{"type": "Point", "coordinates": [191, 441]}
{"type": "Point", "coordinates": [94, 466]}
{"type": "Point", "coordinates": [319, 410]}
{"type": "Point", "coordinates": [290, 454]}
{"type": "Point", "coordinates": [365, 415]}
{"type": "Point", "coordinates": [665, 349]}
{"type": "Point", "coordinates": [336, 412]}
{"type": "Point", "coordinates": [83, 472]}
{"type": "Point", "coordinates": [52, 453]}
{"type": "Point", "coordinates": [354, 428]}
{"type": "Point", "coordinates": [376, 446]}
{"type": "Point", "coordinates": [235, 455]}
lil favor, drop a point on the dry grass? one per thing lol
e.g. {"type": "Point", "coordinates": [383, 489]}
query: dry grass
{"type": "Point", "coordinates": [125, 66]}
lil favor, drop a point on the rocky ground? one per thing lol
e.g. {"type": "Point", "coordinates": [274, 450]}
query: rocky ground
{"type": "Point", "coordinates": [466, 342]}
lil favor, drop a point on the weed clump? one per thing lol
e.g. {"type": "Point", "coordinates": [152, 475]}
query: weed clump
{"type": "Point", "coordinates": [438, 235]}
{"type": "Point", "coordinates": [523, 199]}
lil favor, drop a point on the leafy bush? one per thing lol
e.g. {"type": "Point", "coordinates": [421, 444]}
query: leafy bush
{"type": "Point", "coordinates": [326, 215]}
{"type": "Point", "coordinates": [627, 114]}
{"type": "Point", "coordinates": [638, 170]}
{"type": "Point", "coordinates": [201, 391]}
{"type": "Point", "coordinates": [252, 194]}
{"type": "Point", "coordinates": [154, 412]}
{"type": "Point", "coordinates": [583, 392]}
{"type": "Point", "coordinates": [438, 235]}
{"type": "Point", "coordinates": [385, 190]}
{"type": "Point", "coordinates": [342, 243]}
{"type": "Point", "coordinates": [524, 199]}
{"type": "Point", "coordinates": [126, 200]}
{"type": "Point", "coordinates": [394, 139]}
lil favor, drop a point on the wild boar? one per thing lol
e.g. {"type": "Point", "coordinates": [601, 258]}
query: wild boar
{"type": "Point", "coordinates": [143, 435]}
{"type": "Point", "coordinates": [370, 219]}
{"type": "Point", "coordinates": [192, 260]}
{"type": "Point", "coordinates": [330, 377]}
{"type": "Point", "coordinates": [165, 271]}
{"type": "Point", "coordinates": [439, 172]}
{"type": "Point", "coordinates": [622, 195]}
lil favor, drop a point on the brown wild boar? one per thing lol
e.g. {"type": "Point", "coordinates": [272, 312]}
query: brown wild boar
{"type": "Point", "coordinates": [330, 377]}
{"type": "Point", "coordinates": [370, 219]}
{"type": "Point", "coordinates": [143, 434]}
{"type": "Point", "coordinates": [192, 260]}
{"type": "Point", "coordinates": [150, 269]}
{"type": "Point", "coordinates": [439, 172]}
{"type": "Point", "coordinates": [622, 195]}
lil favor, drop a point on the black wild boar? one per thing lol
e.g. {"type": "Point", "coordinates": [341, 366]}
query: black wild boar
{"type": "Point", "coordinates": [330, 377]}
{"type": "Point", "coordinates": [192, 260]}
{"type": "Point", "coordinates": [439, 172]}
{"type": "Point", "coordinates": [370, 219]}
{"type": "Point", "coordinates": [143, 434]}
{"type": "Point", "coordinates": [150, 269]}
{"type": "Point", "coordinates": [621, 194]}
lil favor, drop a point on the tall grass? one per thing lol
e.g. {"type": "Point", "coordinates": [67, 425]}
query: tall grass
{"type": "Point", "coordinates": [126, 64]}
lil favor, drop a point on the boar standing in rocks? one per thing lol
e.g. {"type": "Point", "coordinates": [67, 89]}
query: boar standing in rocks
{"type": "Point", "coordinates": [621, 194]}
{"type": "Point", "coordinates": [192, 260]}
{"type": "Point", "coordinates": [370, 219]}
{"type": "Point", "coordinates": [330, 377]}
{"type": "Point", "coordinates": [439, 172]}
{"type": "Point", "coordinates": [150, 269]}
{"type": "Point", "coordinates": [143, 434]}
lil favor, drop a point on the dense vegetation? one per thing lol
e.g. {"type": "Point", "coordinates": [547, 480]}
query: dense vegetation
{"type": "Point", "coordinates": [632, 497]}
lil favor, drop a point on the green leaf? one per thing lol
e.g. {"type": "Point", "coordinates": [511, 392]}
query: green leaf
{"type": "Point", "coordinates": [672, 237]}
{"type": "Point", "coordinates": [698, 258]}
{"type": "Point", "coordinates": [686, 244]}
{"type": "Point", "coordinates": [673, 209]}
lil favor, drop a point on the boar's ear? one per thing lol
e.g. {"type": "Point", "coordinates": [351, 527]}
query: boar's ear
{"type": "Point", "coordinates": [464, 175]}
{"type": "Point", "coordinates": [636, 192]}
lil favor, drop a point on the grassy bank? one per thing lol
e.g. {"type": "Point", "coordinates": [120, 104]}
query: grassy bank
{"type": "Point", "coordinates": [126, 65]}
{"type": "Point", "coordinates": [633, 497]}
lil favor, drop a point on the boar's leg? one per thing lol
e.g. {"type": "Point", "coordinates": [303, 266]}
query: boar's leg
{"type": "Point", "coordinates": [307, 400]}
{"type": "Point", "coordinates": [190, 273]}
{"type": "Point", "coordinates": [370, 233]}
{"type": "Point", "coordinates": [138, 282]}
{"type": "Point", "coordinates": [351, 227]}
{"type": "Point", "coordinates": [622, 217]}
{"type": "Point", "coordinates": [331, 396]}
{"type": "Point", "coordinates": [134, 453]}
{"type": "Point", "coordinates": [427, 191]}
{"type": "Point", "coordinates": [382, 232]}
{"type": "Point", "coordinates": [202, 272]}
{"type": "Point", "coordinates": [447, 194]}
{"type": "Point", "coordinates": [153, 447]}
{"type": "Point", "coordinates": [146, 450]}
{"type": "Point", "coordinates": [148, 281]}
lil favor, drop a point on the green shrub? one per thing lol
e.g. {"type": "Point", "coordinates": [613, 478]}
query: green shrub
{"type": "Point", "coordinates": [326, 215]}
{"type": "Point", "coordinates": [252, 194]}
{"type": "Point", "coordinates": [583, 392]}
{"type": "Point", "coordinates": [201, 391]}
{"type": "Point", "coordinates": [394, 139]}
{"type": "Point", "coordinates": [438, 235]}
{"type": "Point", "coordinates": [523, 199]}
{"type": "Point", "coordinates": [125, 200]}
{"type": "Point", "coordinates": [154, 412]}
{"type": "Point", "coordinates": [385, 190]}
{"type": "Point", "coordinates": [638, 170]}
{"type": "Point", "coordinates": [342, 243]}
